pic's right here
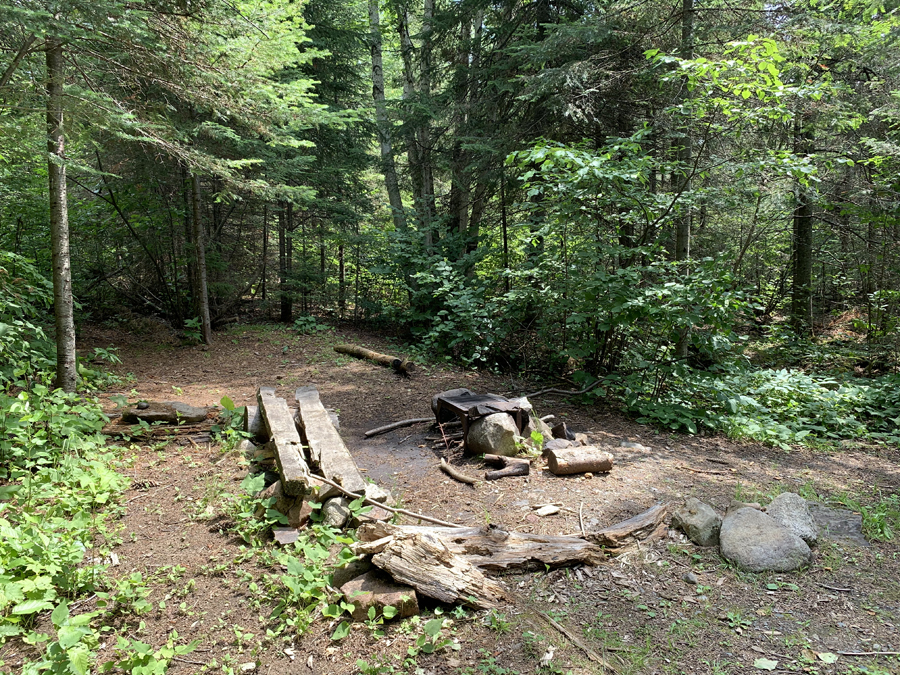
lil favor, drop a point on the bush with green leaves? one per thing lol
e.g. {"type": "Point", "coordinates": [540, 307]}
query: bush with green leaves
{"type": "Point", "coordinates": [25, 295]}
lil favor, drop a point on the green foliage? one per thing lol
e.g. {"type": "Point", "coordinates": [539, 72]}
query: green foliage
{"type": "Point", "coordinates": [26, 353]}
{"type": "Point", "coordinates": [309, 325]}
{"type": "Point", "coordinates": [779, 407]}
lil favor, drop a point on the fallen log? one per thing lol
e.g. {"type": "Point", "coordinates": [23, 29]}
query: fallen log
{"type": "Point", "coordinates": [456, 474]}
{"type": "Point", "coordinates": [401, 365]}
{"type": "Point", "coordinates": [565, 461]}
{"type": "Point", "coordinates": [327, 451]}
{"type": "Point", "coordinates": [494, 549]}
{"type": "Point", "coordinates": [631, 531]}
{"type": "Point", "coordinates": [512, 466]}
{"type": "Point", "coordinates": [397, 425]}
{"type": "Point", "coordinates": [288, 448]}
{"type": "Point", "coordinates": [424, 562]}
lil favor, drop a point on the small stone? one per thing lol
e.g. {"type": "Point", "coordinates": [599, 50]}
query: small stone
{"type": "Point", "coordinates": [633, 446]}
{"type": "Point", "coordinates": [698, 521]}
{"type": "Point", "coordinates": [373, 589]}
{"type": "Point", "coordinates": [286, 535]}
{"type": "Point", "coordinates": [558, 444]}
{"type": "Point", "coordinates": [588, 475]}
{"type": "Point", "coordinates": [690, 578]}
{"type": "Point", "coordinates": [143, 405]}
{"type": "Point", "coordinates": [335, 512]}
{"type": "Point", "coordinates": [248, 667]}
{"type": "Point", "coordinates": [547, 510]}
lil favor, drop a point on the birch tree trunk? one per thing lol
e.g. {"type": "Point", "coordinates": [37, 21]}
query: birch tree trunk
{"type": "Point", "coordinates": [63, 305]}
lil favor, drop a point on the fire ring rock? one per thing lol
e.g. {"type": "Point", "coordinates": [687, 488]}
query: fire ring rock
{"type": "Point", "coordinates": [699, 522]}
{"type": "Point", "coordinates": [757, 543]}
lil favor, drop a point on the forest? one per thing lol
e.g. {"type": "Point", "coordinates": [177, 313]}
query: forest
{"type": "Point", "coordinates": [686, 211]}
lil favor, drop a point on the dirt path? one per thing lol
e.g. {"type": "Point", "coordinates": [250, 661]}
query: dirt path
{"type": "Point", "coordinates": [639, 608]}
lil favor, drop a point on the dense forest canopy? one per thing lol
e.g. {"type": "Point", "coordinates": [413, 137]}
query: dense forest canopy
{"type": "Point", "coordinates": [636, 196]}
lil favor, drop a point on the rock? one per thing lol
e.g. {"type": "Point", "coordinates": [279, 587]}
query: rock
{"type": "Point", "coordinates": [736, 504]}
{"type": "Point", "coordinates": [264, 452]}
{"type": "Point", "coordinates": [839, 525]}
{"type": "Point", "coordinates": [170, 412]}
{"type": "Point", "coordinates": [446, 415]}
{"type": "Point", "coordinates": [143, 405]}
{"type": "Point", "coordinates": [535, 424]}
{"type": "Point", "coordinates": [547, 510]}
{"type": "Point", "coordinates": [634, 446]}
{"type": "Point", "coordinates": [286, 535]}
{"type": "Point", "coordinates": [375, 590]}
{"type": "Point", "coordinates": [298, 515]}
{"type": "Point", "coordinates": [523, 403]}
{"type": "Point", "coordinates": [757, 543]}
{"type": "Point", "coordinates": [690, 578]}
{"type": "Point", "coordinates": [558, 444]}
{"type": "Point", "coordinates": [336, 512]}
{"type": "Point", "coordinates": [581, 439]}
{"type": "Point", "coordinates": [562, 431]}
{"type": "Point", "coordinates": [699, 522]}
{"type": "Point", "coordinates": [377, 494]}
{"type": "Point", "coordinates": [283, 502]}
{"type": "Point", "coordinates": [246, 448]}
{"type": "Point", "coordinates": [495, 435]}
{"type": "Point", "coordinates": [791, 511]}
{"type": "Point", "coordinates": [351, 571]}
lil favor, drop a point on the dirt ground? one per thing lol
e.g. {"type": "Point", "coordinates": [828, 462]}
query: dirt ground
{"type": "Point", "coordinates": [637, 611]}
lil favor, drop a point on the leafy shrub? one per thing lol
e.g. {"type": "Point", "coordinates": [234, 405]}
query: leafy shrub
{"type": "Point", "coordinates": [25, 295]}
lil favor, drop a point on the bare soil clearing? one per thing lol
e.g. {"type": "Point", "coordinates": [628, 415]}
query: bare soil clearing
{"type": "Point", "coordinates": [636, 611]}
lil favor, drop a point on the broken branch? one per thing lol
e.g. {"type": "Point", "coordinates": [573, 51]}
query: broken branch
{"type": "Point", "coordinates": [397, 425]}
{"type": "Point", "coordinates": [401, 365]}
{"type": "Point", "coordinates": [454, 473]}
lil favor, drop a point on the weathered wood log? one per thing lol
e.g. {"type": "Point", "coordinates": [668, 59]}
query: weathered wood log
{"type": "Point", "coordinates": [494, 549]}
{"type": "Point", "coordinates": [424, 562]}
{"type": "Point", "coordinates": [567, 461]}
{"type": "Point", "coordinates": [401, 365]}
{"type": "Point", "coordinates": [512, 466]}
{"type": "Point", "coordinates": [631, 531]}
{"type": "Point", "coordinates": [327, 451]}
{"type": "Point", "coordinates": [254, 424]}
{"type": "Point", "coordinates": [288, 448]}
{"type": "Point", "coordinates": [512, 469]}
{"type": "Point", "coordinates": [456, 473]}
{"type": "Point", "coordinates": [397, 425]}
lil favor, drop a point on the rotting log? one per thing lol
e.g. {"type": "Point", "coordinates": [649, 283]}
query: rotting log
{"type": "Point", "coordinates": [424, 562]}
{"type": "Point", "coordinates": [512, 466]}
{"type": "Point", "coordinates": [254, 424]}
{"type": "Point", "coordinates": [641, 527]}
{"type": "Point", "coordinates": [288, 448]}
{"type": "Point", "coordinates": [397, 425]}
{"type": "Point", "coordinates": [401, 365]}
{"type": "Point", "coordinates": [494, 549]}
{"type": "Point", "coordinates": [327, 451]}
{"type": "Point", "coordinates": [456, 473]}
{"type": "Point", "coordinates": [567, 461]}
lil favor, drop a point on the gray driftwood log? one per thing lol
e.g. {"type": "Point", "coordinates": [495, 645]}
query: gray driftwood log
{"type": "Point", "coordinates": [641, 527]}
{"type": "Point", "coordinates": [327, 451]}
{"type": "Point", "coordinates": [288, 448]}
{"type": "Point", "coordinates": [494, 549]}
{"type": "Point", "coordinates": [426, 563]}
{"type": "Point", "coordinates": [567, 461]}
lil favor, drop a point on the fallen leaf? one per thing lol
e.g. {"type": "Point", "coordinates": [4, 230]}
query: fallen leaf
{"type": "Point", "coordinates": [827, 657]}
{"type": "Point", "coordinates": [765, 664]}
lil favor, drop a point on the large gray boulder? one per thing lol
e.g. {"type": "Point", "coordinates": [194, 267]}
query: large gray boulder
{"type": "Point", "coordinates": [791, 511]}
{"type": "Point", "coordinates": [494, 434]}
{"type": "Point", "coordinates": [698, 521]}
{"type": "Point", "coordinates": [757, 543]}
{"type": "Point", "coordinates": [169, 412]}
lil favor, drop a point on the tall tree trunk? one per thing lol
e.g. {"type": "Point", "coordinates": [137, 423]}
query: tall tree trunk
{"type": "Point", "coordinates": [341, 282]}
{"type": "Point", "coordinates": [801, 254]}
{"type": "Point", "coordinates": [285, 298]}
{"type": "Point", "coordinates": [685, 155]}
{"type": "Point", "coordinates": [200, 253]}
{"type": "Point", "coordinates": [382, 121]}
{"type": "Point", "coordinates": [265, 249]}
{"type": "Point", "coordinates": [63, 305]}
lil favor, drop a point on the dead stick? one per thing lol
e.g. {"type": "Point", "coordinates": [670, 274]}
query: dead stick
{"type": "Point", "coordinates": [396, 425]}
{"type": "Point", "coordinates": [581, 517]}
{"type": "Point", "coordinates": [834, 588]}
{"type": "Point", "coordinates": [714, 473]}
{"type": "Point", "coordinates": [366, 500]}
{"type": "Point", "coordinates": [564, 392]}
{"type": "Point", "coordinates": [453, 473]}
{"type": "Point", "coordinates": [869, 653]}
{"type": "Point", "coordinates": [592, 655]}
